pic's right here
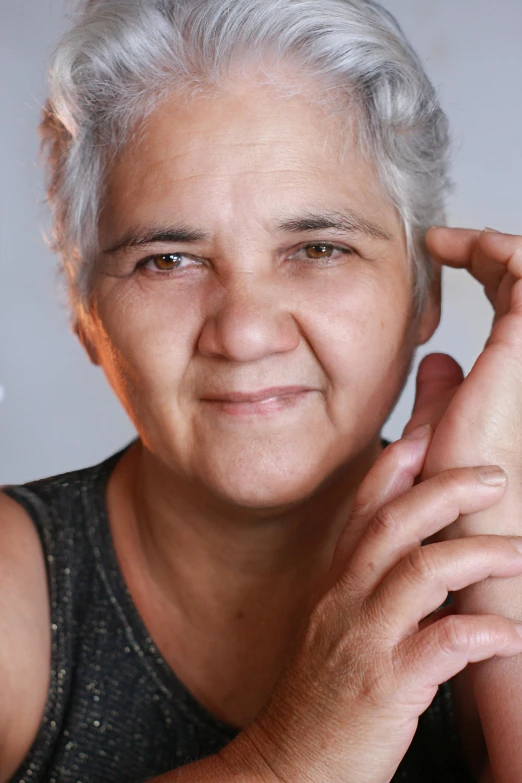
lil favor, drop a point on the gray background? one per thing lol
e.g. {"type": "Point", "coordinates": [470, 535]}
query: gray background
{"type": "Point", "coordinates": [57, 412]}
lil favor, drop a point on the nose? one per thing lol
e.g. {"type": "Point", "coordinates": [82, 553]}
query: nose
{"type": "Point", "coordinates": [250, 320]}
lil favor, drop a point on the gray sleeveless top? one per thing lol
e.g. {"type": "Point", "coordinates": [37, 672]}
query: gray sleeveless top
{"type": "Point", "coordinates": [116, 712]}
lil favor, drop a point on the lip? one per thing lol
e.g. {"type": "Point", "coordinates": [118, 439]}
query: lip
{"type": "Point", "coordinates": [259, 396]}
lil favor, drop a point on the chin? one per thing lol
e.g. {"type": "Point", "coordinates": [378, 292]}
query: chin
{"type": "Point", "coordinates": [266, 498]}
{"type": "Point", "coordinates": [267, 483]}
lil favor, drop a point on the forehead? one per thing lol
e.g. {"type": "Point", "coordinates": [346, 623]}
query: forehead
{"type": "Point", "coordinates": [249, 148]}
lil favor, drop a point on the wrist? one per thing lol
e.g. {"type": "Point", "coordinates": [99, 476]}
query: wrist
{"type": "Point", "coordinates": [248, 757]}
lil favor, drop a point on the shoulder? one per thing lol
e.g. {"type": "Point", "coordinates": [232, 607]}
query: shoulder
{"type": "Point", "coordinates": [25, 652]}
{"type": "Point", "coordinates": [41, 528]}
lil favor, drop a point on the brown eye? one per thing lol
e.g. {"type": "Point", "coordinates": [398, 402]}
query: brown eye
{"type": "Point", "coordinates": [163, 264]}
{"type": "Point", "coordinates": [167, 262]}
{"type": "Point", "coordinates": [319, 251]}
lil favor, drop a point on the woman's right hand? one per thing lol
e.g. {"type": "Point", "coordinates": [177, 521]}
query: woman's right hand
{"type": "Point", "coordinates": [369, 661]}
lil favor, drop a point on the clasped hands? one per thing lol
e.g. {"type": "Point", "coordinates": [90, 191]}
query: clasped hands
{"type": "Point", "coordinates": [376, 644]}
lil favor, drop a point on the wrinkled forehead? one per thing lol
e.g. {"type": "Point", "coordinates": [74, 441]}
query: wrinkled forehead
{"type": "Point", "coordinates": [254, 145]}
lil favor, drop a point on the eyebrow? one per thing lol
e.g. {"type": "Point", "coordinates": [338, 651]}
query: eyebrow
{"type": "Point", "coordinates": [344, 222]}
{"type": "Point", "coordinates": [136, 237]}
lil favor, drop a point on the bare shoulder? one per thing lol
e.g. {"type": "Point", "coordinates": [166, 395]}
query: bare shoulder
{"type": "Point", "coordinates": [25, 650]}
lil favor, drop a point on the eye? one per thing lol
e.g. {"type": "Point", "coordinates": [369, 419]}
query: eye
{"type": "Point", "coordinates": [323, 251]}
{"type": "Point", "coordinates": [167, 262]}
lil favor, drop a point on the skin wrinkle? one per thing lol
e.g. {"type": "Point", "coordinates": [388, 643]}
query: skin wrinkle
{"type": "Point", "coordinates": [225, 515]}
{"type": "Point", "coordinates": [345, 222]}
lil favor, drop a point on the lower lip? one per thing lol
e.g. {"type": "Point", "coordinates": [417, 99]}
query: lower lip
{"type": "Point", "coordinates": [261, 407]}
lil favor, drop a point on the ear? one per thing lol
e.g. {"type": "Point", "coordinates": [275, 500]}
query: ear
{"type": "Point", "coordinates": [86, 341]}
{"type": "Point", "coordinates": [429, 318]}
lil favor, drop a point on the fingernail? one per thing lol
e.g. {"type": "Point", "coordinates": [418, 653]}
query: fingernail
{"type": "Point", "coordinates": [418, 432]}
{"type": "Point", "coordinates": [494, 230]}
{"type": "Point", "coordinates": [492, 475]}
{"type": "Point", "coordinates": [518, 628]}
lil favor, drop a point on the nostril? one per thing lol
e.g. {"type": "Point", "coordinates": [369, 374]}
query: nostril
{"type": "Point", "coordinates": [248, 330]}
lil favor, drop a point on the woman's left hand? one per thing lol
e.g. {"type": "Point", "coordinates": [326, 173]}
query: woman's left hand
{"type": "Point", "coordinates": [478, 419]}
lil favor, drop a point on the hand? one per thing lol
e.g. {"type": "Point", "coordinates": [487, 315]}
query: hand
{"type": "Point", "coordinates": [478, 419]}
{"type": "Point", "coordinates": [370, 659]}
{"type": "Point", "coordinates": [483, 418]}
{"type": "Point", "coordinates": [494, 259]}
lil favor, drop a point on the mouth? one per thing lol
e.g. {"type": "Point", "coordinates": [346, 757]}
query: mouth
{"type": "Point", "coordinates": [263, 402]}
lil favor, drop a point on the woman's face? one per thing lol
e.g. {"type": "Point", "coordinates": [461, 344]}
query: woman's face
{"type": "Point", "coordinates": [253, 309]}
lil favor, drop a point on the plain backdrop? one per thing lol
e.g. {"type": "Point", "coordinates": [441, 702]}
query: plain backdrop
{"type": "Point", "coordinates": [57, 412]}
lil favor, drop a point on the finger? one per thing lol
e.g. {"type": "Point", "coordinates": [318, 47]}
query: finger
{"type": "Point", "coordinates": [504, 297]}
{"type": "Point", "coordinates": [392, 474]}
{"type": "Point", "coordinates": [437, 374]}
{"type": "Point", "coordinates": [401, 524]}
{"type": "Point", "coordinates": [487, 254]}
{"type": "Point", "coordinates": [462, 248]}
{"type": "Point", "coordinates": [505, 249]}
{"type": "Point", "coordinates": [420, 583]}
{"type": "Point", "coordinates": [438, 653]}
{"type": "Point", "coordinates": [438, 378]}
{"type": "Point", "coordinates": [505, 252]}
{"type": "Point", "coordinates": [455, 247]}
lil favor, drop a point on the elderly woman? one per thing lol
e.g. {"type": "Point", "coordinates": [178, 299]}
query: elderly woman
{"type": "Point", "coordinates": [242, 193]}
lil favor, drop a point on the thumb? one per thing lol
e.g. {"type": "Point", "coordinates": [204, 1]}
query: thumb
{"type": "Point", "coordinates": [438, 373]}
{"type": "Point", "coordinates": [438, 376]}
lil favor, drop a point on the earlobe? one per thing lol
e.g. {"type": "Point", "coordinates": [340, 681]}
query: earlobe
{"type": "Point", "coordinates": [431, 313]}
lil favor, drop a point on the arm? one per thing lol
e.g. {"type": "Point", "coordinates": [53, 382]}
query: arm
{"type": "Point", "coordinates": [471, 722]}
{"type": "Point", "coordinates": [238, 762]}
{"type": "Point", "coordinates": [497, 683]}
{"type": "Point", "coordinates": [24, 629]}
{"type": "Point", "coordinates": [25, 662]}
{"type": "Point", "coordinates": [482, 424]}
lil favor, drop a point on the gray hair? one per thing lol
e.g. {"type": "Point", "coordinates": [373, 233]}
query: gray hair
{"type": "Point", "coordinates": [122, 57]}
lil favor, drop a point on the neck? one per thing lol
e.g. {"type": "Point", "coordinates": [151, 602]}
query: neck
{"type": "Point", "coordinates": [224, 591]}
{"type": "Point", "coordinates": [216, 562]}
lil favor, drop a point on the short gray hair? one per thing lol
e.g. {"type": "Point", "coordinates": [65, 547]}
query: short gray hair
{"type": "Point", "coordinates": [122, 57]}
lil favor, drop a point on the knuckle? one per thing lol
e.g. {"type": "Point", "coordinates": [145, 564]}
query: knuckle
{"type": "Point", "coordinates": [350, 588]}
{"type": "Point", "coordinates": [499, 629]}
{"type": "Point", "coordinates": [323, 612]}
{"type": "Point", "coordinates": [379, 680]}
{"type": "Point", "coordinates": [375, 620]}
{"type": "Point", "coordinates": [422, 563]}
{"type": "Point", "coordinates": [361, 507]}
{"type": "Point", "coordinates": [329, 619]}
{"type": "Point", "coordinates": [455, 485]}
{"type": "Point", "coordinates": [334, 650]}
{"type": "Point", "coordinates": [385, 521]}
{"type": "Point", "coordinates": [452, 481]}
{"type": "Point", "coordinates": [452, 635]}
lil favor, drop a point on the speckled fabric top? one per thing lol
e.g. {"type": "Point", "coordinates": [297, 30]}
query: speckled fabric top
{"type": "Point", "coordinates": [116, 712]}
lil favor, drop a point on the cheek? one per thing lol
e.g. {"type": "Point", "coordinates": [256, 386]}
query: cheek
{"type": "Point", "coordinates": [363, 341]}
{"type": "Point", "coordinates": [146, 343]}
{"type": "Point", "coordinates": [359, 330]}
{"type": "Point", "coordinates": [353, 321]}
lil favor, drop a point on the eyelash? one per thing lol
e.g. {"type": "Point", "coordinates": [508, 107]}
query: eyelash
{"type": "Point", "coordinates": [349, 251]}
